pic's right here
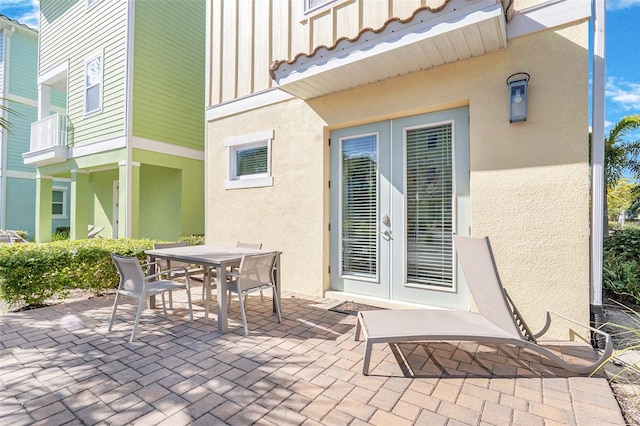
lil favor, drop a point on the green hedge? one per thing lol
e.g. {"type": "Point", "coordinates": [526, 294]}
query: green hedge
{"type": "Point", "coordinates": [32, 273]}
{"type": "Point", "coordinates": [621, 265]}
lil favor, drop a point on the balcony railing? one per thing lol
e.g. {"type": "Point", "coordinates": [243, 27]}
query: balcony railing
{"type": "Point", "coordinates": [48, 141]}
{"type": "Point", "coordinates": [49, 132]}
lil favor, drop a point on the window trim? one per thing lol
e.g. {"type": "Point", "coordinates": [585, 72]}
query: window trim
{"type": "Point", "coordinates": [238, 143]}
{"type": "Point", "coordinates": [310, 11]}
{"type": "Point", "coordinates": [87, 60]}
{"type": "Point", "coordinates": [64, 191]}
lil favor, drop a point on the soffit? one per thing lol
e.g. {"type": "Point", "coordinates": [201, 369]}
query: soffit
{"type": "Point", "coordinates": [429, 38]}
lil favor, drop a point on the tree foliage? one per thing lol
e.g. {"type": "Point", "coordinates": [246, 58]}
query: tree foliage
{"type": "Point", "coordinates": [4, 122]}
{"type": "Point", "coordinates": [620, 154]}
{"type": "Point", "coordinates": [621, 197]}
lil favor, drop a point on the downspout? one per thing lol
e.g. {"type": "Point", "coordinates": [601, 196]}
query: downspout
{"type": "Point", "coordinates": [4, 136]}
{"type": "Point", "coordinates": [128, 118]}
{"type": "Point", "coordinates": [597, 167]}
{"type": "Point", "coordinates": [207, 101]}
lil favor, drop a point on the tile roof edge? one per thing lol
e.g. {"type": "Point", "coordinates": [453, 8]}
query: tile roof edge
{"type": "Point", "coordinates": [276, 63]}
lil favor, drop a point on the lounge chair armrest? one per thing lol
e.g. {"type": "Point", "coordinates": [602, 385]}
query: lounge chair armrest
{"type": "Point", "coordinates": [608, 342]}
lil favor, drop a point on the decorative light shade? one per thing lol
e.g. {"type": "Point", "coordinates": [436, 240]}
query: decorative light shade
{"type": "Point", "coordinates": [518, 83]}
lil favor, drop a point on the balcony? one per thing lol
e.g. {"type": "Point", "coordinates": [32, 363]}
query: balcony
{"type": "Point", "coordinates": [48, 141]}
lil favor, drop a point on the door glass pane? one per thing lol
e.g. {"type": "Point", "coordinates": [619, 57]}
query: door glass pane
{"type": "Point", "coordinates": [359, 206]}
{"type": "Point", "coordinates": [429, 194]}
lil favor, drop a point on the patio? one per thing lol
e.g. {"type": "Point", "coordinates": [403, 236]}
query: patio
{"type": "Point", "coordinates": [58, 364]}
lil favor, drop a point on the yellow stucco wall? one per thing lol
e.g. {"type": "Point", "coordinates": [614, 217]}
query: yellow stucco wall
{"type": "Point", "coordinates": [529, 181]}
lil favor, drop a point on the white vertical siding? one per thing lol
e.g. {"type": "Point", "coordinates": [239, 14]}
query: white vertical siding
{"type": "Point", "coordinates": [246, 36]}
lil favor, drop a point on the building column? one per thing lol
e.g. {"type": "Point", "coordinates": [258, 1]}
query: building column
{"type": "Point", "coordinates": [79, 204]}
{"type": "Point", "coordinates": [44, 189]}
{"type": "Point", "coordinates": [129, 200]}
{"type": "Point", "coordinates": [44, 101]}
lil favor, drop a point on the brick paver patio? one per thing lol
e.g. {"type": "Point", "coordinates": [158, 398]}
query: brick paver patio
{"type": "Point", "coordinates": [59, 365]}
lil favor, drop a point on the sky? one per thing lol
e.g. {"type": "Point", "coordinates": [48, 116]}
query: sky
{"type": "Point", "coordinates": [622, 51]}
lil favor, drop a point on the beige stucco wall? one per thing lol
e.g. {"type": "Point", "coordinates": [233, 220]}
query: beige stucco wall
{"type": "Point", "coordinates": [288, 216]}
{"type": "Point", "coordinates": [529, 181]}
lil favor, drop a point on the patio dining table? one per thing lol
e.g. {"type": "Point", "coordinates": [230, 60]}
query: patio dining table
{"type": "Point", "coordinates": [219, 258]}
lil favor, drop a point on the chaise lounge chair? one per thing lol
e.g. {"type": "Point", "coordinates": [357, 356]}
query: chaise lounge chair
{"type": "Point", "coordinates": [496, 322]}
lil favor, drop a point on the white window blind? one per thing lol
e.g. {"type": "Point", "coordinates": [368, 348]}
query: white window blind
{"type": "Point", "coordinates": [429, 206]}
{"type": "Point", "coordinates": [359, 206]}
{"type": "Point", "coordinates": [251, 161]}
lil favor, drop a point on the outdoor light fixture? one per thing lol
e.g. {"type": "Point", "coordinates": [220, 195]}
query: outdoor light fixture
{"type": "Point", "coordinates": [518, 96]}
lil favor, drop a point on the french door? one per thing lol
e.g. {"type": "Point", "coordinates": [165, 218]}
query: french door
{"type": "Point", "coordinates": [399, 189]}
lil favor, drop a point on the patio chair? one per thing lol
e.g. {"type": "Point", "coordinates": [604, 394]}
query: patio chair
{"type": "Point", "coordinates": [5, 238]}
{"type": "Point", "coordinates": [94, 231]}
{"type": "Point", "coordinates": [497, 321]}
{"type": "Point", "coordinates": [15, 237]}
{"type": "Point", "coordinates": [256, 246]}
{"type": "Point", "coordinates": [134, 284]}
{"type": "Point", "coordinates": [256, 271]}
{"type": "Point", "coordinates": [180, 266]}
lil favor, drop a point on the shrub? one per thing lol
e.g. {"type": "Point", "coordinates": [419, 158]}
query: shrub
{"type": "Point", "coordinates": [193, 239]}
{"type": "Point", "coordinates": [33, 273]}
{"type": "Point", "coordinates": [621, 265]}
{"type": "Point", "coordinates": [23, 234]}
{"type": "Point", "coordinates": [62, 233]}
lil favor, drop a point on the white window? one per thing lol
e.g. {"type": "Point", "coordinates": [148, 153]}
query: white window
{"type": "Point", "coordinates": [249, 160]}
{"type": "Point", "coordinates": [93, 84]}
{"type": "Point", "coordinates": [311, 6]}
{"type": "Point", "coordinates": [91, 3]}
{"type": "Point", "coordinates": [59, 203]}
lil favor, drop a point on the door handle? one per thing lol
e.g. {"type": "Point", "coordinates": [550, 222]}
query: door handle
{"type": "Point", "coordinates": [386, 233]}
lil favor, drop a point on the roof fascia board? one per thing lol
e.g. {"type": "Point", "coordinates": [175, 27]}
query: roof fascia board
{"type": "Point", "coordinates": [247, 103]}
{"type": "Point", "coordinates": [550, 14]}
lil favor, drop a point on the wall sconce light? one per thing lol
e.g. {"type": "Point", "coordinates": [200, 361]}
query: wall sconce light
{"type": "Point", "coordinates": [518, 83]}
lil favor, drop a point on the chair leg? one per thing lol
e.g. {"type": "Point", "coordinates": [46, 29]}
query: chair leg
{"type": "Point", "coordinates": [367, 357]}
{"type": "Point", "coordinates": [244, 317]}
{"type": "Point", "coordinates": [113, 311]}
{"type": "Point", "coordinates": [189, 300]}
{"type": "Point", "coordinates": [261, 296]}
{"type": "Point", "coordinates": [164, 306]}
{"type": "Point", "coordinates": [137, 320]}
{"type": "Point", "coordinates": [275, 299]}
{"type": "Point", "coordinates": [170, 300]}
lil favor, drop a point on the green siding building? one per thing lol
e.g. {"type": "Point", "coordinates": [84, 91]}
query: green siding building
{"type": "Point", "coordinates": [131, 137]}
{"type": "Point", "coordinates": [19, 93]}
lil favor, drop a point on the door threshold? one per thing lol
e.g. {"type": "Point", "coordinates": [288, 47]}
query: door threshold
{"type": "Point", "coordinates": [375, 301]}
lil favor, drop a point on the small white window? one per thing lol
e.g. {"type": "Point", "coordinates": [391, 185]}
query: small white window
{"type": "Point", "coordinates": [249, 160]}
{"type": "Point", "coordinates": [59, 203]}
{"type": "Point", "coordinates": [91, 3]}
{"type": "Point", "coordinates": [311, 6]}
{"type": "Point", "coordinates": [93, 85]}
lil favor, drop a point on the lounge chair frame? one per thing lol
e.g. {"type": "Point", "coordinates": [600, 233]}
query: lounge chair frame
{"type": "Point", "coordinates": [497, 322]}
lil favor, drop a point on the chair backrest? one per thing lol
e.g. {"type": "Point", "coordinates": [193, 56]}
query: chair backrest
{"type": "Point", "coordinates": [15, 237]}
{"type": "Point", "coordinates": [256, 270]}
{"type": "Point", "coordinates": [174, 264]}
{"type": "Point", "coordinates": [131, 274]}
{"type": "Point", "coordinates": [249, 245]}
{"type": "Point", "coordinates": [478, 265]}
{"type": "Point", "coordinates": [95, 231]}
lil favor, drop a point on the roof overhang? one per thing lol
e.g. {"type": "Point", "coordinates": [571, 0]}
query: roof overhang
{"type": "Point", "coordinates": [427, 39]}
